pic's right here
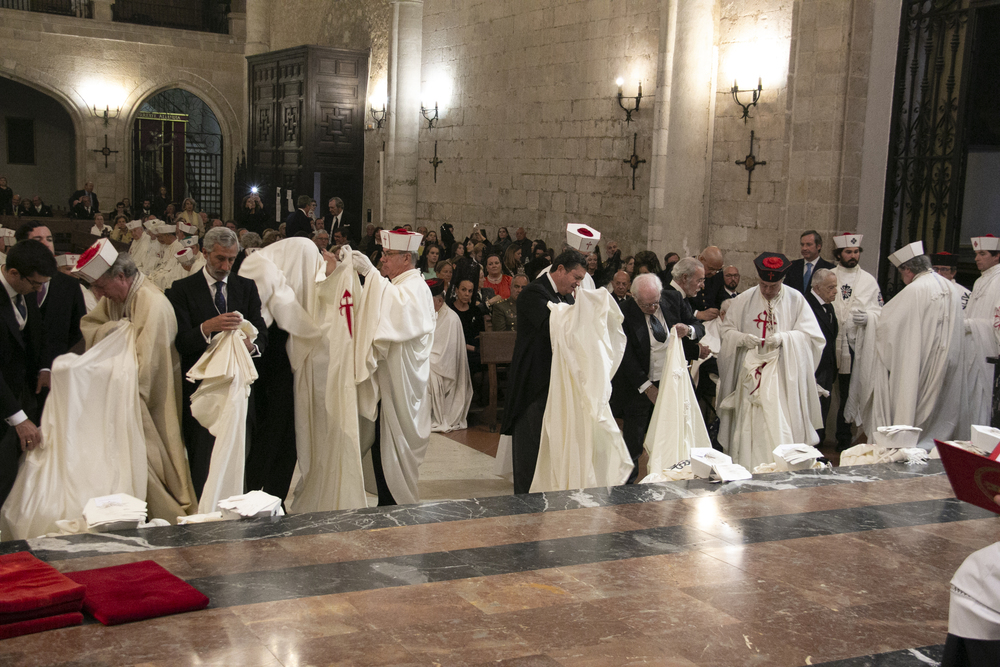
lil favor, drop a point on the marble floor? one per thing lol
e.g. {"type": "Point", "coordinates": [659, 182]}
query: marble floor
{"type": "Point", "coordinates": [847, 567]}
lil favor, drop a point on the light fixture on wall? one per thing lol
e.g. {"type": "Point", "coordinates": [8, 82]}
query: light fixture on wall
{"type": "Point", "coordinates": [621, 99]}
{"type": "Point", "coordinates": [735, 90]}
{"type": "Point", "coordinates": [107, 114]}
{"type": "Point", "coordinates": [377, 104]}
{"type": "Point", "coordinates": [430, 115]}
{"type": "Point", "coordinates": [378, 115]}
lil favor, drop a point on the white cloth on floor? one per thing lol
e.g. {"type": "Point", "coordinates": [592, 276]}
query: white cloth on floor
{"type": "Point", "coordinates": [860, 455]}
{"type": "Point", "coordinates": [86, 452]}
{"type": "Point", "coordinates": [974, 611]}
{"type": "Point", "coordinates": [226, 371]}
{"type": "Point", "coordinates": [450, 387]}
{"type": "Point", "coordinates": [504, 465]}
{"type": "Point", "coordinates": [581, 445]}
{"type": "Point", "coordinates": [676, 425]}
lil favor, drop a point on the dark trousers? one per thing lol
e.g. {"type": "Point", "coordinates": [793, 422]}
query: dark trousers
{"type": "Point", "coordinates": [10, 446]}
{"type": "Point", "coordinates": [844, 435]}
{"type": "Point", "coordinates": [384, 494]}
{"type": "Point", "coordinates": [525, 442]}
{"type": "Point", "coordinates": [635, 423]}
{"type": "Point", "coordinates": [961, 652]}
{"type": "Point", "coordinates": [271, 462]}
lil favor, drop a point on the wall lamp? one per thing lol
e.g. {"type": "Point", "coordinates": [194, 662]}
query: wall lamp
{"type": "Point", "coordinates": [622, 98]}
{"type": "Point", "coordinates": [378, 115]}
{"type": "Point", "coordinates": [755, 96]}
{"type": "Point", "coordinates": [107, 114]}
{"type": "Point", "coordinates": [430, 117]}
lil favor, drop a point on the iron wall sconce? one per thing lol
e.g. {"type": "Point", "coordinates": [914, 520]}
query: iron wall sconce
{"type": "Point", "coordinates": [378, 115]}
{"type": "Point", "coordinates": [746, 107]}
{"type": "Point", "coordinates": [622, 98]}
{"type": "Point", "coordinates": [107, 114]}
{"type": "Point", "coordinates": [426, 113]}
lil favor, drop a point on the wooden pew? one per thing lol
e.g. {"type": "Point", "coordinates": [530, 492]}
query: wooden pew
{"type": "Point", "coordinates": [495, 347]}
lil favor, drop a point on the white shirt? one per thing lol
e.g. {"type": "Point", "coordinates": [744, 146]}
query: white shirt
{"type": "Point", "coordinates": [19, 416]}
{"type": "Point", "coordinates": [657, 354]}
{"type": "Point", "coordinates": [213, 286]}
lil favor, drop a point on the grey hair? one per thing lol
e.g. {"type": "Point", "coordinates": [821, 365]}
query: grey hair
{"type": "Point", "coordinates": [918, 264]}
{"type": "Point", "coordinates": [685, 267]}
{"type": "Point", "coordinates": [338, 201]}
{"type": "Point", "coordinates": [644, 279]}
{"type": "Point", "coordinates": [223, 236]}
{"type": "Point", "coordinates": [821, 275]}
{"type": "Point", "coordinates": [123, 266]}
{"type": "Point", "coordinates": [321, 231]}
{"type": "Point", "coordinates": [251, 240]}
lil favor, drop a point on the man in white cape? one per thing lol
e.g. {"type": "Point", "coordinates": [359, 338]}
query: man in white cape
{"type": "Point", "coordinates": [126, 294]}
{"type": "Point", "coordinates": [450, 387]}
{"type": "Point", "coordinates": [856, 290]}
{"type": "Point", "coordinates": [771, 346]}
{"type": "Point", "coordinates": [982, 330]}
{"type": "Point", "coordinates": [395, 321]}
{"type": "Point", "coordinates": [909, 357]}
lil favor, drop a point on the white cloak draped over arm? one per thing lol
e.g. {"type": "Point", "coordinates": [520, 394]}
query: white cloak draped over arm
{"type": "Point", "coordinates": [450, 388]}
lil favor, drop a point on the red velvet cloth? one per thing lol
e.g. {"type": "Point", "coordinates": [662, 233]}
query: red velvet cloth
{"type": "Point", "coordinates": [42, 612]}
{"type": "Point", "coordinates": [27, 584]}
{"type": "Point", "coordinates": [40, 625]}
{"type": "Point", "coordinates": [136, 591]}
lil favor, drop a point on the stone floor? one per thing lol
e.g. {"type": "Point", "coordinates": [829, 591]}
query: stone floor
{"type": "Point", "coordinates": [845, 567]}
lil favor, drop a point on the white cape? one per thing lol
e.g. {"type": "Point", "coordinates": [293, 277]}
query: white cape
{"type": "Point", "coordinates": [219, 404]}
{"type": "Point", "coordinates": [982, 317]}
{"type": "Point", "coordinates": [677, 424]}
{"type": "Point", "coordinates": [450, 387]}
{"type": "Point", "coordinates": [856, 290]}
{"type": "Point", "coordinates": [296, 294]}
{"type": "Point", "coordinates": [581, 446]}
{"type": "Point", "coordinates": [87, 452]}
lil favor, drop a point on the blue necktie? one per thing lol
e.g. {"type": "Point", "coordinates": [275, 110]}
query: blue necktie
{"type": "Point", "coordinates": [21, 307]}
{"type": "Point", "coordinates": [659, 333]}
{"type": "Point", "coordinates": [220, 298]}
{"type": "Point", "coordinates": [808, 276]}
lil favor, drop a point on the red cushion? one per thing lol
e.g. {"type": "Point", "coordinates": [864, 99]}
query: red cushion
{"type": "Point", "coordinates": [40, 625]}
{"type": "Point", "coordinates": [41, 612]}
{"type": "Point", "coordinates": [27, 583]}
{"type": "Point", "coordinates": [136, 591]}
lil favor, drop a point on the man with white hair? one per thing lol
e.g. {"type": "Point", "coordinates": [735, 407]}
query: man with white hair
{"type": "Point", "coordinates": [126, 294]}
{"type": "Point", "coordinates": [908, 365]}
{"type": "Point", "coordinates": [649, 315]}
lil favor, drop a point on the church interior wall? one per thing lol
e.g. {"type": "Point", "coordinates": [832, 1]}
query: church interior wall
{"type": "Point", "coordinates": [53, 174]}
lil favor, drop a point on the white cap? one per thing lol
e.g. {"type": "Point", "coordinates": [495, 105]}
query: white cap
{"type": "Point", "coordinates": [189, 242]}
{"type": "Point", "coordinates": [6, 233]}
{"type": "Point", "coordinates": [582, 237]}
{"type": "Point", "coordinates": [906, 253]}
{"type": "Point", "coordinates": [848, 240]}
{"type": "Point", "coordinates": [67, 260]}
{"type": "Point", "coordinates": [988, 242]}
{"type": "Point", "coordinates": [985, 438]}
{"type": "Point", "coordinates": [401, 240]}
{"type": "Point", "coordinates": [186, 228]}
{"type": "Point", "coordinates": [95, 262]}
{"type": "Point", "coordinates": [164, 228]}
{"type": "Point", "coordinates": [134, 224]}
{"type": "Point", "coordinates": [185, 256]}
{"type": "Point", "coordinates": [151, 223]}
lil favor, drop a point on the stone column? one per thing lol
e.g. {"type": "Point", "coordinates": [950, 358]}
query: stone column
{"type": "Point", "coordinates": [682, 127]}
{"type": "Point", "coordinates": [403, 117]}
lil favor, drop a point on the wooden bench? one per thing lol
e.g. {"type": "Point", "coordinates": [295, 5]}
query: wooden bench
{"type": "Point", "coordinates": [495, 348]}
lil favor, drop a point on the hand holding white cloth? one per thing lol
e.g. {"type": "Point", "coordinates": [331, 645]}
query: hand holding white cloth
{"type": "Point", "coordinates": [362, 264]}
{"type": "Point", "coordinates": [750, 341]}
{"type": "Point", "coordinates": [773, 340]}
{"type": "Point", "coordinates": [860, 318]}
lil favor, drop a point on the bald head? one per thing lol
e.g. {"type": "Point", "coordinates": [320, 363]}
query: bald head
{"type": "Point", "coordinates": [620, 284]}
{"type": "Point", "coordinates": [711, 258]}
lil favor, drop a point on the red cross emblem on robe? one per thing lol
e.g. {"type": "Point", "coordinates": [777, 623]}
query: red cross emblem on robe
{"type": "Point", "coordinates": [346, 307]}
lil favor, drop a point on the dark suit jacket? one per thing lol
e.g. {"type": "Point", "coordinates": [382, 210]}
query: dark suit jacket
{"type": "Point", "coordinates": [193, 304]}
{"type": "Point", "coordinates": [826, 373]}
{"type": "Point", "coordinates": [678, 308]}
{"type": "Point", "coordinates": [81, 213]}
{"type": "Point", "coordinates": [531, 363]}
{"type": "Point", "coordinates": [298, 224]}
{"type": "Point", "coordinates": [633, 371]}
{"type": "Point", "coordinates": [62, 309]}
{"type": "Point", "coordinates": [159, 205]}
{"type": "Point", "coordinates": [95, 205]}
{"type": "Point", "coordinates": [344, 226]}
{"type": "Point", "coordinates": [793, 277]}
{"type": "Point", "coordinates": [43, 211]}
{"type": "Point", "coordinates": [711, 295]}
{"type": "Point", "coordinates": [21, 355]}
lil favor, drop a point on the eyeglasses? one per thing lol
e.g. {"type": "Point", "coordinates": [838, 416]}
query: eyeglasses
{"type": "Point", "coordinates": [37, 284]}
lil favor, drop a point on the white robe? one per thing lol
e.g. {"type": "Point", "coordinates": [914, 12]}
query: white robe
{"type": "Point", "coordinates": [172, 271]}
{"type": "Point", "coordinates": [791, 410]}
{"type": "Point", "coordinates": [450, 388]}
{"type": "Point", "coordinates": [157, 258]}
{"type": "Point", "coordinates": [856, 290]}
{"type": "Point", "coordinates": [393, 364]}
{"type": "Point", "coordinates": [296, 293]}
{"type": "Point", "coordinates": [581, 446]}
{"type": "Point", "coordinates": [909, 358]}
{"type": "Point", "coordinates": [982, 340]}
{"type": "Point", "coordinates": [86, 453]}
{"type": "Point", "coordinates": [141, 250]}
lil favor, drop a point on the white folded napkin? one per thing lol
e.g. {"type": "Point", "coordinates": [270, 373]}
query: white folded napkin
{"type": "Point", "coordinates": [114, 512]}
{"type": "Point", "coordinates": [253, 504]}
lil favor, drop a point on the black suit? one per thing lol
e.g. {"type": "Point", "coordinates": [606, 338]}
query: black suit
{"type": "Point", "coordinates": [826, 372]}
{"type": "Point", "coordinates": [298, 224]}
{"type": "Point", "coordinates": [159, 205]}
{"type": "Point", "coordinates": [528, 378]}
{"type": "Point", "coordinates": [21, 357]}
{"type": "Point", "coordinates": [711, 295]}
{"type": "Point", "coordinates": [80, 212]}
{"type": "Point", "coordinates": [192, 300]}
{"type": "Point", "coordinates": [43, 211]}
{"type": "Point", "coordinates": [343, 226]}
{"type": "Point", "coordinates": [94, 203]}
{"type": "Point", "coordinates": [61, 311]}
{"type": "Point", "coordinates": [794, 275]}
{"type": "Point", "coordinates": [633, 372]}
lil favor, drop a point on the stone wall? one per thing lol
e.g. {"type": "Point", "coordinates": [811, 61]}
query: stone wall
{"type": "Point", "coordinates": [531, 134]}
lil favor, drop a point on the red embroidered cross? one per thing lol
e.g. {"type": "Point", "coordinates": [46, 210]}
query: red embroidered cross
{"type": "Point", "coordinates": [757, 372]}
{"type": "Point", "coordinates": [346, 305]}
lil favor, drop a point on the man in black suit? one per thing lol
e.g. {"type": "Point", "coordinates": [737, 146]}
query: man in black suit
{"type": "Point", "coordinates": [800, 273]}
{"type": "Point", "coordinates": [40, 209]}
{"type": "Point", "coordinates": [620, 285]}
{"type": "Point", "coordinates": [205, 303]}
{"type": "Point", "coordinates": [60, 302]}
{"type": "Point", "coordinates": [299, 221]}
{"type": "Point", "coordinates": [708, 300]}
{"type": "Point", "coordinates": [531, 363]}
{"type": "Point", "coordinates": [731, 281]}
{"type": "Point", "coordinates": [334, 220]}
{"type": "Point", "coordinates": [88, 191]}
{"type": "Point", "coordinates": [649, 316]}
{"type": "Point", "coordinates": [83, 209]}
{"type": "Point", "coordinates": [820, 298]}
{"type": "Point", "coordinates": [687, 281]}
{"type": "Point", "coordinates": [23, 364]}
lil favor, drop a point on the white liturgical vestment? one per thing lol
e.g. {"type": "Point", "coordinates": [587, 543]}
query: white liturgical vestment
{"type": "Point", "coordinates": [856, 290]}
{"type": "Point", "coordinates": [982, 340]}
{"type": "Point", "coordinates": [784, 407]}
{"type": "Point", "coordinates": [86, 453]}
{"type": "Point", "coordinates": [395, 322]}
{"type": "Point", "coordinates": [450, 387]}
{"type": "Point", "coordinates": [581, 446]}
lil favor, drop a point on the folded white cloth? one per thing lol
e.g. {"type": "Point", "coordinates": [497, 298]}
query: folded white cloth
{"type": "Point", "coordinates": [114, 512]}
{"type": "Point", "coordinates": [253, 504]}
{"type": "Point", "coordinates": [860, 455]}
{"type": "Point", "coordinates": [200, 518]}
